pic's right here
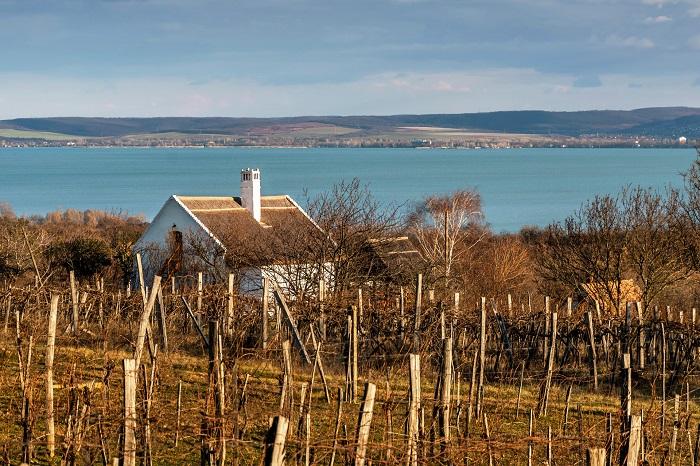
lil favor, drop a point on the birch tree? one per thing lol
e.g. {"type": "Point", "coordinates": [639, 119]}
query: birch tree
{"type": "Point", "coordinates": [446, 226]}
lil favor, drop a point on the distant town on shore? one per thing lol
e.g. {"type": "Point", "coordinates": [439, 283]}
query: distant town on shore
{"type": "Point", "coordinates": [650, 127]}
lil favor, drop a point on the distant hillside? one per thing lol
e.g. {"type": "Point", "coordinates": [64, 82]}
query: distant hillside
{"type": "Point", "coordinates": [652, 122]}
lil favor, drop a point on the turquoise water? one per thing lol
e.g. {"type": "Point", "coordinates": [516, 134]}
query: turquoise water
{"type": "Point", "coordinates": [518, 186]}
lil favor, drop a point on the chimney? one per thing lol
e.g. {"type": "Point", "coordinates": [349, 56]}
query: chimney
{"type": "Point", "coordinates": [250, 191]}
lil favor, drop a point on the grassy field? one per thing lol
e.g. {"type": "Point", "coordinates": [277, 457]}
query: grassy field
{"type": "Point", "coordinates": [20, 134]}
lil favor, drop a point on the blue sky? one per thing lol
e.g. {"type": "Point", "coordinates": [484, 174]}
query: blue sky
{"type": "Point", "coordinates": [263, 58]}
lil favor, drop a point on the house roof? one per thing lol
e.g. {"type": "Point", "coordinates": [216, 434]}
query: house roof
{"type": "Point", "coordinates": [628, 291]}
{"type": "Point", "coordinates": [284, 228]}
{"type": "Point", "coordinates": [396, 257]}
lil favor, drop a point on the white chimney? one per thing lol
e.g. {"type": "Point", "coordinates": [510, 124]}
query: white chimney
{"type": "Point", "coordinates": [250, 191]}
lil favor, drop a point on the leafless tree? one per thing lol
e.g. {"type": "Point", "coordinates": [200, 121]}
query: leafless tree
{"type": "Point", "coordinates": [446, 226]}
{"type": "Point", "coordinates": [633, 236]}
{"type": "Point", "coordinates": [352, 219]}
{"type": "Point", "coordinates": [653, 248]}
{"type": "Point", "coordinates": [588, 247]}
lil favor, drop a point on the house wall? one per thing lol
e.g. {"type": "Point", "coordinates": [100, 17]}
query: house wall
{"type": "Point", "coordinates": [153, 243]}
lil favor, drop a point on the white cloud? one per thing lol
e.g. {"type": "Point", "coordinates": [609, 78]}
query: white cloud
{"type": "Point", "coordinates": [379, 94]}
{"type": "Point", "coordinates": [658, 3]}
{"type": "Point", "coordinates": [632, 41]}
{"type": "Point", "coordinates": [656, 19]}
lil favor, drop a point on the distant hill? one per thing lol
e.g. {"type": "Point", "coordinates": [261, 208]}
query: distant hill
{"type": "Point", "coordinates": [652, 122]}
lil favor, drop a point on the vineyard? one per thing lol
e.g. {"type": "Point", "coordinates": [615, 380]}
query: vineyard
{"type": "Point", "coordinates": [181, 372]}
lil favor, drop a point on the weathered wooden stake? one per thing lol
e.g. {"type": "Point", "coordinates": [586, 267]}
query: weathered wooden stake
{"type": "Point", "coordinates": [364, 422]}
{"type": "Point", "coordinates": [50, 346]}
{"type": "Point", "coordinates": [274, 441]}
{"type": "Point", "coordinates": [595, 457]}
{"type": "Point", "coordinates": [412, 425]}
{"type": "Point", "coordinates": [337, 426]}
{"type": "Point", "coordinates": [482, 358]}
{"type": "Point", "coordinates": [130, 372]}
{"type": "Point", "coordinates": [266, 298]}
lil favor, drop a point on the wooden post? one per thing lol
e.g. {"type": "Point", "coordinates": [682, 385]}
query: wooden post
{"type": "Point", "coordinates": [595, 457]}
{"type": "Point", "coordinates": [364, 422]}
{"type": "Point", "coordinates": [547, 383]}
{"type": "Point", "coordinates": [531, 432]}
{"type": "Point", "coordinates": [74, 300]}
{"type": "Point", "coordinates": [635, 441]}
{"type": "Point", "coordinates": [321, 309]}
{"type": "Point", "coordinates": [445, 392]}
{"type": "Point", "coordinates": [298, 343]}
{"type": "Point", "coordinates": [50, 346]}
{"type": "Point", "coordinates": [413, 409]}
{"type": "Point", "coordinates": [402, 319]}
{"type": "Point", "coordinates": [266, 298]}
{"type": "Point", "coordinates": [229, 310]}
{"type": "Point", "coordinates": [162, 321]}
{"type": "Point", "coordinates": [274, 441]}
{"type": "Point", "coordinates": [130, 372]}
{"type": "Point", "coordinates": [591, 350]}
{"type": "Point", "coordinates": [337, 426]}
{"type": "Point", "coordinates": [145, 321]}
{"type": "Point", "coordinates": [482, 358]}
{"type": "Point", "coordinates": [319, 363]}
{"type": "Point", "coordinates": [418, 305]}
{"type": "Point", "coordinates": [355, 348]}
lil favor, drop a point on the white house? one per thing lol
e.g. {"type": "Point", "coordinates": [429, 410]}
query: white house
{"type": "Point", "coordinates": [251, 235]}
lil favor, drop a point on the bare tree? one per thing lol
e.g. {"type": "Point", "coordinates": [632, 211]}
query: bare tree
{"type": "Point", "coordinates": [654, 251]}
{"type": "Point", "coordinates": [634, 236]}
{"type": "Point", "coordinates": [588, 247]}
{"type": "Point", "coordinates": [352, 219]}
{"type": "Point", "coordinates": [446, 226]}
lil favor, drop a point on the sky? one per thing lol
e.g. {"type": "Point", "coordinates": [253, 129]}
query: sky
{"type": "Point", "coordinates": [275, 58]}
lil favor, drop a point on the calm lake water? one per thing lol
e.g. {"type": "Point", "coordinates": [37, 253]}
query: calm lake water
{"type": "Point", "coordinates": [518, 186]}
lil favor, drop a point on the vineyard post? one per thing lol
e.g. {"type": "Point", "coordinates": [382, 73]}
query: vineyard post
{"type": "Point", "coordinates": [595, 457]}
{"type": "Point", "coordinates": [129, 453]}
{"type": "Point", "coordinates": [642, 340]}
{"type": "Point", "coordinates": [482, 358]}
{"type": "Point", "coordinates": [355, 346]}
{"type": "Point", "coordinates": [200, 295]}
{"type": "Point", "coordinates": [50, 347]}
{"type": "Point", "coordinates": [321, 309]}
{"type": "Point", "coordinates": [74, 300]}
{"type": "Point", "coordinates": [162, 319]}
{"type": "Point", "coordinates": [402, 319]}
{"type": "Point", "coordinates": [274, 441]}
{"type": "Point", "coordinates": [364, 422]}
{"type": "Point", "coordinates": [413, 408]}
{"type": "Point", "coordinates": [417, 309]}
{"type": "Point", "coordinates": [228, 328]}
{"type": "Point", "coordinates": [445, 393]}
{"type": "Point", "coordinates": [145, 320]}
{"type": "Point", "coordinates": [337, 426]}
{"type": "Point", "coordinates": [265, 310]}
{"type": "Point", "coordinates": [591, 349]}
{"type": "Point", "coordinates": [547, 383]}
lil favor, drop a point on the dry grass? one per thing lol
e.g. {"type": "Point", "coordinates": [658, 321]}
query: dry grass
{"type": "Point", "coordinates": [88, 372]}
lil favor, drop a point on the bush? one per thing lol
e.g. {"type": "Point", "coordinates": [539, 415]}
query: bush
{"type": "Point", "coordinates": [85, 256]}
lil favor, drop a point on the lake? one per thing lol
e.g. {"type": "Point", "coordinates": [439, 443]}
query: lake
{"type": "Point", "coordinates": [518, 186]}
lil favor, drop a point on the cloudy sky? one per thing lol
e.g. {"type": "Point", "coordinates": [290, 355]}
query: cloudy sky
{"type": "Point", "coordinates": [260, 58]}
